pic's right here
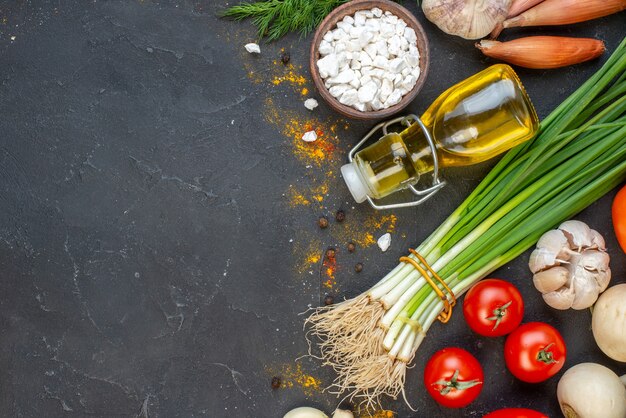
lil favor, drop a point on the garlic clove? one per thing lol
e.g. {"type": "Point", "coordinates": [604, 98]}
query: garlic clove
{"type": "Point", "coordinates": [469, 19]}
{"type": "Point", "coordinates": [603, 278]}
{"type": "Point", "coordinates": [541, 258]}
{"type": "Point", "coordinates": [578, 234]}
{"type": "Point", "coordinates": [597, 240]}
{"type": "Point", "coordinates": [594, 260]}
{"type": "Point", "coordinates": [560, 299]}
{"type": "Point", "coordinates": [551, 279]}
{"type": "Point", "coordinates": [586, 289]}
{"type": "Point", "coordinates": [555, 241]}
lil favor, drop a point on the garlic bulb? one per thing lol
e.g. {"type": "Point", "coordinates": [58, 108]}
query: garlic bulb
{"type": "Point", "coordinates": [469, 19]}
{"type": "Point", "coordinates": [570, 266]}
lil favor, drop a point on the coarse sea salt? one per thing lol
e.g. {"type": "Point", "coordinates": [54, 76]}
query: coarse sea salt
{"type": "Point", "coordinates": [370, 60]}
{"type": "Point", "coordinates": [310, 104]}
{"type": "Point", "coordinates": [309, 136]}
{"type": "Point", "coordinates": [253, 48]}
{"type": "Point", "coordinates": [384, 242]}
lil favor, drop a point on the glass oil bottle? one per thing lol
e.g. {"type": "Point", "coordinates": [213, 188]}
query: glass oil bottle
{"type": "Point", "coordinates": [471, 122]}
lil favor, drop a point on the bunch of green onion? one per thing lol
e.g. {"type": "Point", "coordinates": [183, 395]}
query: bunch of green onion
{"type": "Point", "coordinates": [578, 155]}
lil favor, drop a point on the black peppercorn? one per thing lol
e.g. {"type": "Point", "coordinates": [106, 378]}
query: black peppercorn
{"type": "Point", "coordinates": [285, 57]}
{"type": "Point", "coordinates": [358, 267]}
{"type": "Point", "coordinates": [275, 382]}
{"type": "Point", "coordinates": [351, 247]}
{"type": "Point", "coordinates": [340, 216]}
{"type": "Point", "coordinates": [322, 222]}
{"type": "Point", "coordinates": [330, 253]}
{"type": "Point", "coordinates": [329, 300]}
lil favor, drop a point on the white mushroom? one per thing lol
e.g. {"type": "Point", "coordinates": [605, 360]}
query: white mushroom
{"type": "Point", "coordinates": [570, 266]}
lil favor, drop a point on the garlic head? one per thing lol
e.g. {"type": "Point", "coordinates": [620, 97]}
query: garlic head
{"type": "Point", "coordinates": [469, 19]}
{"type": "Point", "coordinates": [570, 266]}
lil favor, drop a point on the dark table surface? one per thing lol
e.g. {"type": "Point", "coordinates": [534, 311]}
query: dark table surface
{"type": "Point", "coordinates": [158, 236]}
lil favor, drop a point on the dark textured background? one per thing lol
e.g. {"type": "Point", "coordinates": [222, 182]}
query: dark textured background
{"type": "Point", "coordinates": [146, 240]}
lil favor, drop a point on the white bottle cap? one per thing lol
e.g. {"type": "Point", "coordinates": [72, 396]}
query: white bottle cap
{"type": "Point", "coordinates": [354, 182]}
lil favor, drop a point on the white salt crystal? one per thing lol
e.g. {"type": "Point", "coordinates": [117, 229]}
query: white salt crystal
{"type": "Point", "coordinates": [371, 50]}
{"type": "Point", "coordinates": [325, 48]}
{"type": "Point", "coordinates": [396, 65]}
{"type": "Point", "coordinates": [409, 82]}
{"type": "Point", "coordinates": [365, 38]}
{"type": "Point", "coordinates": [309, 136]}
{"type": "Point", "coordinates": [413, 60]}
{"type": "Point", "coordinates": [367, 92]}
{"type": "Point", "coordinates": [394, 98]}
{"type": "Point", "coordinates": [344, 26]}
{"type": "Point", "coordinates": [349, 98]}
{"type": "Point", "coordinates": [381, 62]}
{"type": "Point", "coordinates": [409, 35]}
{"type": "Point", "coordinates": [338, 90]}
{"type": "Point", "coordinates": [344, 77]}
{"type": "Point", "coordinates": [386, 89]}
{"type": "Point", "coordinates": [384, 242]}
{"type": "Point", "coordinates": [359, 18]}
{"type": "Point", "coordinates": [365, 59]}
{"type": "Point", "coordinates": [328, 66]}
{"type": "Point", "coordinates": [310, 104]}
{"type": "Point", "coordinates": [253, 48]}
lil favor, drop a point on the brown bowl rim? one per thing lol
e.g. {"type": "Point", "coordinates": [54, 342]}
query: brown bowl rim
{"type": "Point", "coordinates": [349, 9]}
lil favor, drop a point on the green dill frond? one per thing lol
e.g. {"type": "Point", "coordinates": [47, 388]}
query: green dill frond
{"type": "Point", "coordinates": [275, 18]}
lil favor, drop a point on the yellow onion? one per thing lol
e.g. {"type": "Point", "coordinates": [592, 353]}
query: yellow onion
{"type": "Point", "coordinates": [543, 52]}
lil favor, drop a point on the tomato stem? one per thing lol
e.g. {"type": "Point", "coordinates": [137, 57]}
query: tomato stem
{"type": "Point", "coordinates": [498, 314]}
{"type": "Point", "coordinates": [454, 383]}
{"type": "Point", "coordinates": [545, 355]}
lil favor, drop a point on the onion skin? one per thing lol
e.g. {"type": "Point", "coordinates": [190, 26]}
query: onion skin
{"type": "Point", "coordinates": [520, 6]}
{"type": "Point", "coordinates": [543, 52]}
{"type": "Point", "coordinates": [565, 12]}
{"type": "Point", "coordinates": [517, 7]}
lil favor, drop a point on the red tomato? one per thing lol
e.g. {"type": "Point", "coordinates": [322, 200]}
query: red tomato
{"type": "Point", "coordinates": [515, 413]}
{"type": "Point", "coordinates": [619, 217]}
{"type": "Point", "coordinates": [493, 307]}
{"type": "Point", "coordinates": [453, 377]}
{"type": "Point", "coordinates": [534, 352]}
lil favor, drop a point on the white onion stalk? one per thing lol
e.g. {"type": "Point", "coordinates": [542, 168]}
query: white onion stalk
{"type": "Point", "coordinates": [578, 156]}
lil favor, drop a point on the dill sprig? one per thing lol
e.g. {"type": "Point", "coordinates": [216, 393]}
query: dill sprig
{"type": "Point", "coordinates": [275, 18]}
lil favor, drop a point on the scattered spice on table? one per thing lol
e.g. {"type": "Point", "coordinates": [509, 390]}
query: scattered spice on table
{"type": "Point", "coordinates": [358, 267]}
{"type": "Point", "coordinates": [330, 253]}
{"type": "Point", "coordinates": [340, 216]}
{"type": "Point", "coordinates": [294, 376]}
{"type": "Point", "coordinates": [275, 382]}
{"type": "Point", "coordinates": [294, 124]}
{"type": "Point", "coordinates": [351, 247]}
{"type": "Point", "coordinates": [329, 300]}
{"type": "Point", "coordinates": [322, 222]}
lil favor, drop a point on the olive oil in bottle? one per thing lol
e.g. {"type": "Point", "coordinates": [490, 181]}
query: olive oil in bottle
{"type": "Point", "coordinates": [472, 121]}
